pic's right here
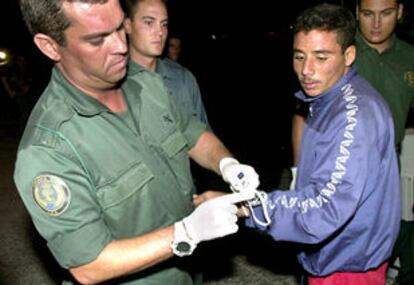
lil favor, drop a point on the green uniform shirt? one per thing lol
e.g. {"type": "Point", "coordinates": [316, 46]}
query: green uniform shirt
{"type": "Point", "coordinates": [392, 74]}
{"type": "Point", "coordinates": [88, 175]}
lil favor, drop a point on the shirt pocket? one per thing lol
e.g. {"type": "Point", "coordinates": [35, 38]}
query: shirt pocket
{"type": "Point", "coordinates": [124, 186]}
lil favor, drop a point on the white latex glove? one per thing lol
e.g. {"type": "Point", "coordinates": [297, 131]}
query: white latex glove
{"type": "Point", "coordinates": [214, 218]}
{"type": "Point", "coordinates": [241, 177]}
{"type": "Point", "coordinates": [293, 171]}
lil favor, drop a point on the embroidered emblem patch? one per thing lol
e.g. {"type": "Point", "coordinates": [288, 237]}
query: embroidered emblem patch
{"type": "Point", "coordinates": [51, 194]}
{"type": "Point", "coordinates": [409, 77]}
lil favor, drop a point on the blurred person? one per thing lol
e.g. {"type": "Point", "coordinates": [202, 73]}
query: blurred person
{"type": "Point", "coordinates": [17, 82]}
{"type": "Point", "coordinates": [345, 209]}
{"type": "Point", "coordinates": [102, 166]}
{"type": "Point", "coordinates": [174, 48]}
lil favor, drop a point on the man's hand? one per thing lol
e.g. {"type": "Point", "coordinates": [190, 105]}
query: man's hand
{"type": "Point", "coordinates": [214, 218]}
{"type": "Point", "coordinates": [205, 196]}
{"type": "Point", "coordinates": [241, 177]}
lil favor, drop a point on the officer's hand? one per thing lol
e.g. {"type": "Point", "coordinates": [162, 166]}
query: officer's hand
{"type": "Point", "coordinates": [214, 218]}
{"type": "Point", "coordinates": [241, 177]}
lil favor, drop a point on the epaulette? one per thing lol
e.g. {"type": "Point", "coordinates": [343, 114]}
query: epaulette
{"type": "Point", "coordinates": [49, 124]}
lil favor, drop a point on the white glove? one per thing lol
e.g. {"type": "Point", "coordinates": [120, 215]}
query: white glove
{"type": "Point", "coordinates": [214, 218]}
{"type": "Point", "coordinates": [241, 177]}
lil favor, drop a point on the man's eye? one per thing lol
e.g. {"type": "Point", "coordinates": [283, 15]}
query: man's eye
{"type": "Point", "coordinates": [298, 57]}
{"type": "Point", "coordinates": [321, 58]}
{"type": "Point", "coordinates": [366, 14]}
{"type": "Point", "coordinates": [96, 42]}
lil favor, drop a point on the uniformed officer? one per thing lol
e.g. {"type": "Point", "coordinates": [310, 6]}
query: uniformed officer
{"type": "Point", "coordinates": [103, 165]}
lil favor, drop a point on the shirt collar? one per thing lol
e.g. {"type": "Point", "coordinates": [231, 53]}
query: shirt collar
{"type": "Point", "coordinates": [81, 102]}
{"type": "Point", "coordinates": [134, 68]}
{"type": "Point", "coordinates": [163, 70]}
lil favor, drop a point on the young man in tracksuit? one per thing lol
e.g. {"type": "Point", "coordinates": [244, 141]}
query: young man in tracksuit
{"type": "Point", "coordinates": [346, 203]}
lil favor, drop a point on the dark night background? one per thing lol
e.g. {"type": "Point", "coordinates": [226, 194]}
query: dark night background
{"type": "Point", "coordinates": [240, 54]}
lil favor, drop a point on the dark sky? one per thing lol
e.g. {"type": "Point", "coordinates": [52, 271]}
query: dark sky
{"type": "Point", "coordinates": [187, 16]}
{"type": "Point", "coordinates": [233, 15]}
{"type": "Point", "coordinates": [13, 33]}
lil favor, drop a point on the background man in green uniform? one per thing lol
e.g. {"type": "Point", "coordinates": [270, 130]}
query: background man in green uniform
{"type": "Point", "coordinates": [103, 165]}
{"type": "Point", "coordinates": [384, 60]}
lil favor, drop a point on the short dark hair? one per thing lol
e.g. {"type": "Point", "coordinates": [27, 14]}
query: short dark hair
{"type": "Point", "coordinates": [358, 2]}
{"type": "Point", "coordinates": [328, 17]}
{"type": "Point", "coordinates": [48, 17]}
{"type": "Point", "coordinates": [130, 6]}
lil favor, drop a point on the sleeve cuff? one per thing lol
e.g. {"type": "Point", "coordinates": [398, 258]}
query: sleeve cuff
{"type": "Point", "coordinates": [82, 246]}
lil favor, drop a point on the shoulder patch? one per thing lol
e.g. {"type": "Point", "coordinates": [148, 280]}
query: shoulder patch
{"type": "Point", "coordinates": [409, 78]}
{"type": "Point", "coordinates": [51, 194]}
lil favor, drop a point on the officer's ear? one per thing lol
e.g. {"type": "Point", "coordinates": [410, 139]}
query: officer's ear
{"type": "Point", "coordinates": [350, 54]}
{"type": "Point", "coordinates": [48, 46]}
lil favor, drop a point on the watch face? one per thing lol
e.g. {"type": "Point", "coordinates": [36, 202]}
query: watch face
{"type": "Point", "coordinates": [183, 246]}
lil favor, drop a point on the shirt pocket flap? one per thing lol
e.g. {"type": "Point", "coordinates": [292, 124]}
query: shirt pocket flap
{"type": "Point", "coordinates": [173, 144]}
{"type": "Point", "coordinates": [124, 186]}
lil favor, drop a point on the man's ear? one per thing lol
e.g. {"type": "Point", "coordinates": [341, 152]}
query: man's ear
{"type": "Point", "coordinates": [350, 55]}
{"type": "Point", "coordinates": [400, 11]}
{"type": "Point", "coordinates": [127, 25]}
{"type": "Point", "coordinates": [48, 46]}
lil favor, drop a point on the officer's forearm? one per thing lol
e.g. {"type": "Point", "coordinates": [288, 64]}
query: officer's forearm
{"type": "Point", "coordinates": [208, 151]}
{"type": "Point", "coordinates": [123, 257]}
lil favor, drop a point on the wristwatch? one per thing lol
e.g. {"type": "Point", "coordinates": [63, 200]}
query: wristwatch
{"type": "Point", "coordinates": [182, 244]}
